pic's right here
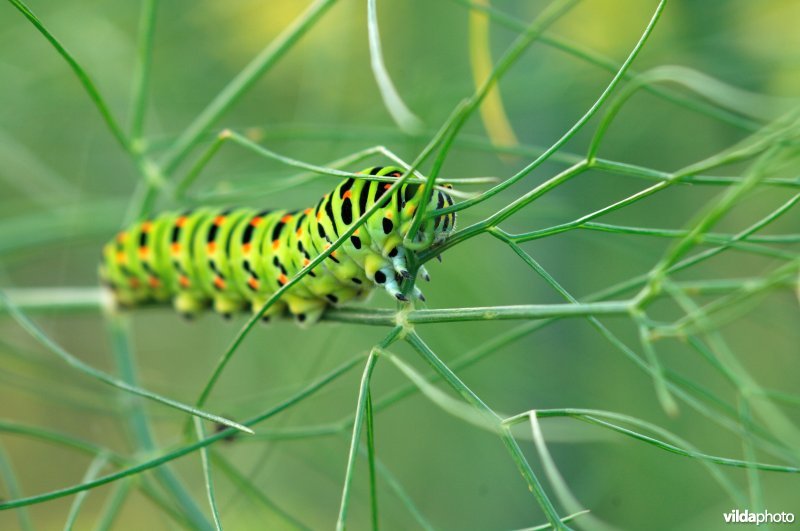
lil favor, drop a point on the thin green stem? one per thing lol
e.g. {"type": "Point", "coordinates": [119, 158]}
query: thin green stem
{"type": "Point", "coordinates": [141, 73]}
{"type": "Point", "coordinates": [94, 469]}
{"type": "Point", "coordinates": [373, 483]}
{"type": "Point", "coordinates": [665, 398]}
{"type": "Point", "coordinates": [698, 319]}
{"type": "Point", "coordinates": [513, 207]}
{"type": "Point", "coordinates": [159, 501]}
{"type": "Point", "coordinates": [471, 398]}
{"type": "Point", "coordinates": [106, 378]}
{"type": "Point", "coordinates": [593, 416]}
{"type": "Point", "coordinates": [572, 130]}
{"type": "Point", "coordinates": [402, 116]}
{"type": "Point", "coordinates": [355, 440]}
{"type": "Point", "coordinates": [557, 481]}
{"type": "Point", "coordinates": [207, 479]}
{"type": "Point", "coordinates": [83, 299]}
{"type": "Point", "coordinates": [610, 65]}
{"type": "Point", "coordinates": [13, 488]}
{"type": "Point", "coordinates": [624, 168]}
{"type": "Point", "coordinates": [83, 76]}
{"type": "Point", "coordinates": [715, 238]}
{"type": "Point", "coordinates": [189, 178]}
{"type": "Point", "coordinates": [489, 313]}
{"type": "Point", "coordinates": [243, 81]}
{"type": "Point", "coordinates": [551, 14]}
{"type": "Point", "coordinates": [321, 170]}
{"type": "Point", "coordinates": [361, 411]}
{"type": "Point", "coordinates": [564, 520]}
{"type": "Point", "coordinates": [343, 132]}
{"type": "Point", "coordinates": [668, 386]}
{"type": "Point", "coordinates": [60, 439]}
{"type": "Point", "coordinates": [722, 206]}
{"type": "Point", "coordinates": [754, 481]}
{"type": "Point", "coordinates": [114, 505]}
{"type": "Point", "coordinates": [400, 492]}
{"type": "Point", "coordinates": [186, 449]}
{"type": "Point", "coordinates": [139, 422]}
{"type": "Point", "coordinates": [244, 484]}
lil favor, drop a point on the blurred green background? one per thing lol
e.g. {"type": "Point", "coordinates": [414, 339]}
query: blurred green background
{"type": "Point", "coordinates": [65, 185]}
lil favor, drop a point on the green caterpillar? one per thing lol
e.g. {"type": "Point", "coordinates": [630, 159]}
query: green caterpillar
{"type": "Point", "coordinates": [235, 258]}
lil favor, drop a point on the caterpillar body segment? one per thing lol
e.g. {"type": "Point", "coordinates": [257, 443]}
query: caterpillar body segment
{"type": "Point", "coordinates": [235, 259]}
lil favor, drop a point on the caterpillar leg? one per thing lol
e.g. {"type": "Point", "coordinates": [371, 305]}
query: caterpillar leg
{"type": "Point", "coordinates": [306, 311]}
{"type": "Point", "coordinates": [398, 258]}
{"type": "Point", "coordinates": [399, 262]}
{"type": "Point", "coordinates": [278, 308]}
{"type": "Point", "coordinates": [386, 277]}
{"type": "Point", "coordinates": [122, 299]}
{"type": "Point", "coordinates": [418, 294]}
{"type": "Point", "coordinates": [393, 288]}
{"type": "Point", "coordinates": [310, 316]}
{"type": "Point", "coordinates": [188, 305]}
{"type": "Point", "coordinates": [226, 306]}
{"type": "Point", "coordinates": [424, 273]}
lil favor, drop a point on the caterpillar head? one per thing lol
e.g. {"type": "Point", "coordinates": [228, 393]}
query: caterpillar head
{"type": "Point", "coordinates": [435, 230]}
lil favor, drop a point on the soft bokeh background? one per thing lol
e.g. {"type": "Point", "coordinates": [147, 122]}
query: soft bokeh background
{"type": "Point", "coordinates": [65, 184]}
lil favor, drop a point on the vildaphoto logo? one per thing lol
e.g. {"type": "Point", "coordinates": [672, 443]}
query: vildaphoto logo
{"type": "Point", "coordinates": [764, 517]}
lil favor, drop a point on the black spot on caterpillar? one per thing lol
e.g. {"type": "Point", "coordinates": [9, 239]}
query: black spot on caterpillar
{"type": "Point", "coordinates": [237, 258]}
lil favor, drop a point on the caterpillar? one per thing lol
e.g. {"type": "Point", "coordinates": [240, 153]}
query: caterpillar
{"type": "Point", "coordinates": [235, 258]}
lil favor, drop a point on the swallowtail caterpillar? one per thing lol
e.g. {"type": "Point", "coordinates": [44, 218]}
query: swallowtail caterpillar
{"type": "Point", "coordinates": [237, 258]}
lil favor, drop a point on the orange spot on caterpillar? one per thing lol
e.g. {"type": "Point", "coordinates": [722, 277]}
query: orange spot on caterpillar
{"type": "Point", "coordinates": [411, 209]}
{"type": "Point", "coordinates": [122, 236]}
{"type": "Point", "coordinates": [319, 215]}
{"type": "Point", "coordinates": [219, 283]}
{"type": "Point", "coordinates": [211, 247]}
{"type": "Point", "coordinates": [120, 257]}
{"type": "Point", "coordinates": [246, 248]}
{"type": "Point", "coordinates": [387, 186]}
{"type": "Point", "coordinates": [307, 211]}
{"type": "Point", "coordinates": [219, 220]}
{"type": "Point", "coordinates": [253, 283]}
{"type": "Point", "coordinates": [175, 248]}
{"type": "Point", "coordinates": [181, 221]}
{"type": "Point", "coordinates": [306, 261]}
{"type": "Point", "coordinates": [286, 219]}
{"type": "Point", "coordinates": [389, 214]}
{"type": "Point", "coordinates": [276, 244]}
{"type": "Point", "coordinates": [154, 282]}
{"type": "Point", "coordinates": [256, 221]}
{"type": "Point", "coordinates": [143, 252]}
{"type": "Point", "coordinates": [134, 282]}
{"type": "Point", "coordinates": [299, 231]}
{"type": "Point", "coordinates": [183, 280]}
{"type": "Point", "coordinates": [282, 279]}
{"type": "Point", "coordinates": [357, 231]}
{"type": "Point", "coordinates": [147, 226]}
{"type": "Point", "coordinates": [347, 195]}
